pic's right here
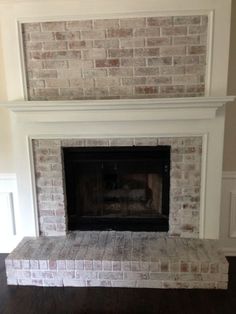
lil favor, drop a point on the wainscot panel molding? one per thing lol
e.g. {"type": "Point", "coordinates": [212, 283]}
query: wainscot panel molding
{"type": "Point", "coordinates": [9, 228]}
{"type": "Point", "coordinates": [228, 213]}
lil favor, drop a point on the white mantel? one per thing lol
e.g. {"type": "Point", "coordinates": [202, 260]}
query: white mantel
{"type": "Point", "coordinates": [119, 109]}
{"type": "Point", "coordinates": [121, 118]}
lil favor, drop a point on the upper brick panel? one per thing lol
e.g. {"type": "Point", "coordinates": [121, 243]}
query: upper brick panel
{"type": "Point", "coordinates": [116, 58]}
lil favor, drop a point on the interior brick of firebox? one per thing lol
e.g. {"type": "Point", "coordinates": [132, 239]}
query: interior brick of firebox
{"type": "Point", "coordinates": [116, 58]}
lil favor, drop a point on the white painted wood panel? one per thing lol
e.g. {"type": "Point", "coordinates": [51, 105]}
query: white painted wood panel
{"type": "Point", "coordinates": [9, 216]}
{"type": "Point", "coordinates": [228, 213]}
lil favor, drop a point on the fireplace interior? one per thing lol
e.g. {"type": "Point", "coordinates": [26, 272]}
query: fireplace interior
{"type": "Point", "coordinates": [117, 188]}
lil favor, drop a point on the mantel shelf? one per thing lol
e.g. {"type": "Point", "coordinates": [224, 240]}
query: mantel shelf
{"type": "Point", "coordinates": [118, 109]}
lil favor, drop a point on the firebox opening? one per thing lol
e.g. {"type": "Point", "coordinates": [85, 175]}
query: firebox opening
{"type": "Point", "coordinates": [117, 188]}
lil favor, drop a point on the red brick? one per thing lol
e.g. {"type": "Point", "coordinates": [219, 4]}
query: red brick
{"type": "Point", "coordinates": [159, 21]}
{"type": "Point", "coordinates": [80, 44]}
{"type": "Point", "coordinates": [133, 62]}
{"type": "Point", "coordinates": [132, 42]}
{"type": "Point", "coordinates": [46, 92]}
{"type": "Point", "coordinates": [159, 80]}
{"type": "Point", "coordinates": [82, 82]}
{"type": "Point", "coordinates": [61, 55]}
{"type": "Point", "coordinates": [174, 31]}
{"type": "Point", "coordinates": [89, 73]}
{"type": "Point", "coordinates": [121, 90]}
{"type": "Point", "coordinates": [107, 81]}
{"type": "Point", "coordinates": [146, 52]}
{"type": "Point", "coordinates": [147, 32]}
{"type": "Point", "coordinates": [172, 50]}
{"type": "Point", "coordinates": [197, 50]}
{"type": "Point", "coordinates": [42, 36]}
{"type": "Point", "coordinates": [195, 69]}
{"type": "Point", "coordinates": [146, 71]}
{"type": "Point", "coordinates": [96, 92]}
{"type": "Point", "coordinates": [46, 73]}
{"type": "Point", "coordinates": [32, 64]}
{"type": "Point", "coordinates": [107, 63]}
{"type": "Point", "coordinates": [197, 29]}
{"type": "Point", "coordinates": [159, 61]}
{"type": "Point", "coordinates": [186, 20]}
{"type": "Point", "coordinates": [184, 267]}
{"type": "Point", "coordinates": [71, 93]}
{"type": "Point", "coordinates": [31, 27]}
{"type": "Point", "coordinates": [120, 53]}
{"type": "Point", "coordinates": [106, 43]}
{"type": "Point", "coordinates": [186, 60]}
{"type": "Point", "coordinates": [56, 45]}
{"type": "Point", "coordinates": [134, 81]}
{"type": "Point", "coordinates": [94, 34]}
{"type": "Point", "coordinates": [33, 45]}
{"type": "Point", "coordinates": [57, 83]}
{"type": "Point", "coordinates": [170, 70]}
{"type": "Point", "coordinates": [161, 41]}
{"type": "Point", "coordinates": [52, 64]}
{"type": "Point", "coordinates": [121, 72]}
{"type": "Point", "coordinates": [186, 40]}
{"type": "Point", "coordinates": [94, 53]}
{"type": "Point", "coordinates": [172, 89]}
{"type": "Point", "coordinates": [122, 32]}
{"type": "Point", "coordinates": [67, 35]}
{"type": "Point", "coordinates": [195, 89]}
{"type": "Point", "coordinates": [146, 89]}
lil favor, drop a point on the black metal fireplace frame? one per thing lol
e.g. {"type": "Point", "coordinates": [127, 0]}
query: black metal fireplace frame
{"type": "Point", "coordinates": [159, 154]}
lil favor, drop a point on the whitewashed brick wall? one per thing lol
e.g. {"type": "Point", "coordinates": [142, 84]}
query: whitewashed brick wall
{"type": "Point", "coordinates": [116, 58]}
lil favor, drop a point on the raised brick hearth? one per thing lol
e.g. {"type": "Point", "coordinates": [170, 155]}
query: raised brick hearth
{"type": "Point", "coordinates": [118, 259]}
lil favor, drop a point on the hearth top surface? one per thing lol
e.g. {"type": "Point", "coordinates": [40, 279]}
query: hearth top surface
{"type": "Point", "coordinates": [118, 246]}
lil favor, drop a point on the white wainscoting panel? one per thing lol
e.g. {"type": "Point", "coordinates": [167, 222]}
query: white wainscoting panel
{"type": "Point", "coordinates": [7, 214]}
{"type": "Point", "coordinates": [9, 235]}
{"type": "Point", "coordinates": [232, 226]}
{"type": "Point", "coordinates": [228, 213]}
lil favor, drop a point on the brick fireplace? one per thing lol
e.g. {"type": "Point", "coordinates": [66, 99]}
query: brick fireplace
{"type": "Point", "coordinates": [119, 82]}
{"type": "Point", "coordinates": [185, 180]}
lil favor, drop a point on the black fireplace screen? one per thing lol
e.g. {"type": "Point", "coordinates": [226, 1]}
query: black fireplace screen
{"type": "Point", "coordinates": [120, 188]}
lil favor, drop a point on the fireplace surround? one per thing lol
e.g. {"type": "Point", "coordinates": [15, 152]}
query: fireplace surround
{"type": "Point", "coordinates": [193, 130]}
{"type": "Point", "coordinates": [181, 123]}
{"type": "Point", "coordinates": [183, 194]}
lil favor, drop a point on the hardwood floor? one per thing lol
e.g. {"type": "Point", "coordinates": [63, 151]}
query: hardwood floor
{"type": "Point", "coordinates": [27, 300]}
